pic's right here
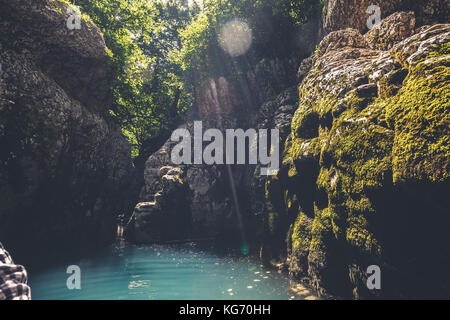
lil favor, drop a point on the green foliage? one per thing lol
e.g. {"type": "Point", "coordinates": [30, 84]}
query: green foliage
{"type": "Point", "coordinates": [271, 22]}
{"type": "Point", "coordinates": [302, 10]}
{"type": "Point", "coordinates": [148, 87]}
{"type": "Point", "coordinates": [161, 51]}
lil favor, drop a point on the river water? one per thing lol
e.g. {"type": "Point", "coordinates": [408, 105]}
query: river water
{"type": "Point", "coordinates": [162, 273]}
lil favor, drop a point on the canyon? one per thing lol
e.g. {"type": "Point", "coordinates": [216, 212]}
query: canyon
{"type": "Point", "coordinates": [364, 152]}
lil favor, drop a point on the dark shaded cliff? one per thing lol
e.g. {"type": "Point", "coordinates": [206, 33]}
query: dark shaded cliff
{"type": "Point", "coordinates": [65, 169]}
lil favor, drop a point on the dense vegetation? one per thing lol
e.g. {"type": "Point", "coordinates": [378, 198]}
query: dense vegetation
{"type": "Point", "coordinates": [161, 51]}
{"type": "Point", "coordinates": [148, 84]}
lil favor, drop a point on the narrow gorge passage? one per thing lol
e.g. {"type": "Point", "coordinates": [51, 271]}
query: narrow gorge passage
{"type": "Point", "coordinates": [224, 150]}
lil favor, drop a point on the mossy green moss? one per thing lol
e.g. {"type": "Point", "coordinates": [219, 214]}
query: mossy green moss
{"type": "Point", "coordinates": [303, 148]}
{"type": "Point", "coordinates": [356, 103]}
{"type": "Point", "coordinates": [359, 236]}
{"type": "Point", "coordinates": [291, 203]}
{"type": "Point", "coordinates": [420, 115]}
{"type": "Point", "coordinates": [361, 150]}
{"type": "Point", "coordinates": [322, 234]}
{"type": "Point", "coordinates": [301, 233]}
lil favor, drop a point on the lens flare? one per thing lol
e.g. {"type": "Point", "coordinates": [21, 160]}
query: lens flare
{"type": "Point", "coordinates": [235, 38]}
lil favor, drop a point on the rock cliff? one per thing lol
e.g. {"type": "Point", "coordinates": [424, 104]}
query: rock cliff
{"type": "Point", "coordinates": [65, 168]}
{"type": "Point", "coordinates": [366, 167]}
{"type": "Point", "coordinates": [342, 14]}
{"type": "Point", "coordinates": [197, 201]}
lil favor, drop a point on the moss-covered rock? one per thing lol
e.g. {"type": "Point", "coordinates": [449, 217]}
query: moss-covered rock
{"type": "Point", "coordinates": [420, 116]}
{"type": "Point", "coordinates": [371, 132]}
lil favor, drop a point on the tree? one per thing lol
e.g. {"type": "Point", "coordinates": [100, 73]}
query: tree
{"type": "Point", "coordinates": [273, 24]}
{"type": "Point", "coordinates": [148, 87]}
{"type": "Point", "coordinates": [162, 51]}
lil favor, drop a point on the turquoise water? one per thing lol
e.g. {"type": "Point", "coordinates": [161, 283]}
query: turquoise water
{"type": "Point", "coordinates": [162, 273]}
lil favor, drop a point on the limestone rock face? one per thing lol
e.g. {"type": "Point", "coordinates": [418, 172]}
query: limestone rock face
{"type": "Point", "coordinates": [394, 29]}
{"type": "Point", "coordinates": [74, 59]}
{"type": "Point", "coordinates": [65, 170]}
{"type": "Point", "coordinates": [366, 167]}
{"type": "Point", "coordinates": [343, 14]}
{"type": "Point", "coordinates": [277, 112]}
{"type": "Point", "coordinates": [201, 195]}
{"type": "Point", "coordinates": [194, 199]}
{"type": "Point", "coordinates": [432, 11]}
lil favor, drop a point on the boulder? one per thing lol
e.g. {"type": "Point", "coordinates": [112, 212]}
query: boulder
{"type": "Point", "coordinates": [343, 14]}
{"type": "Point", "coordinates": [75, 59]}
{"type": "Point", "coordinates": [392, 30]}
{"type": "Point", "coordinates": [196, 195]}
